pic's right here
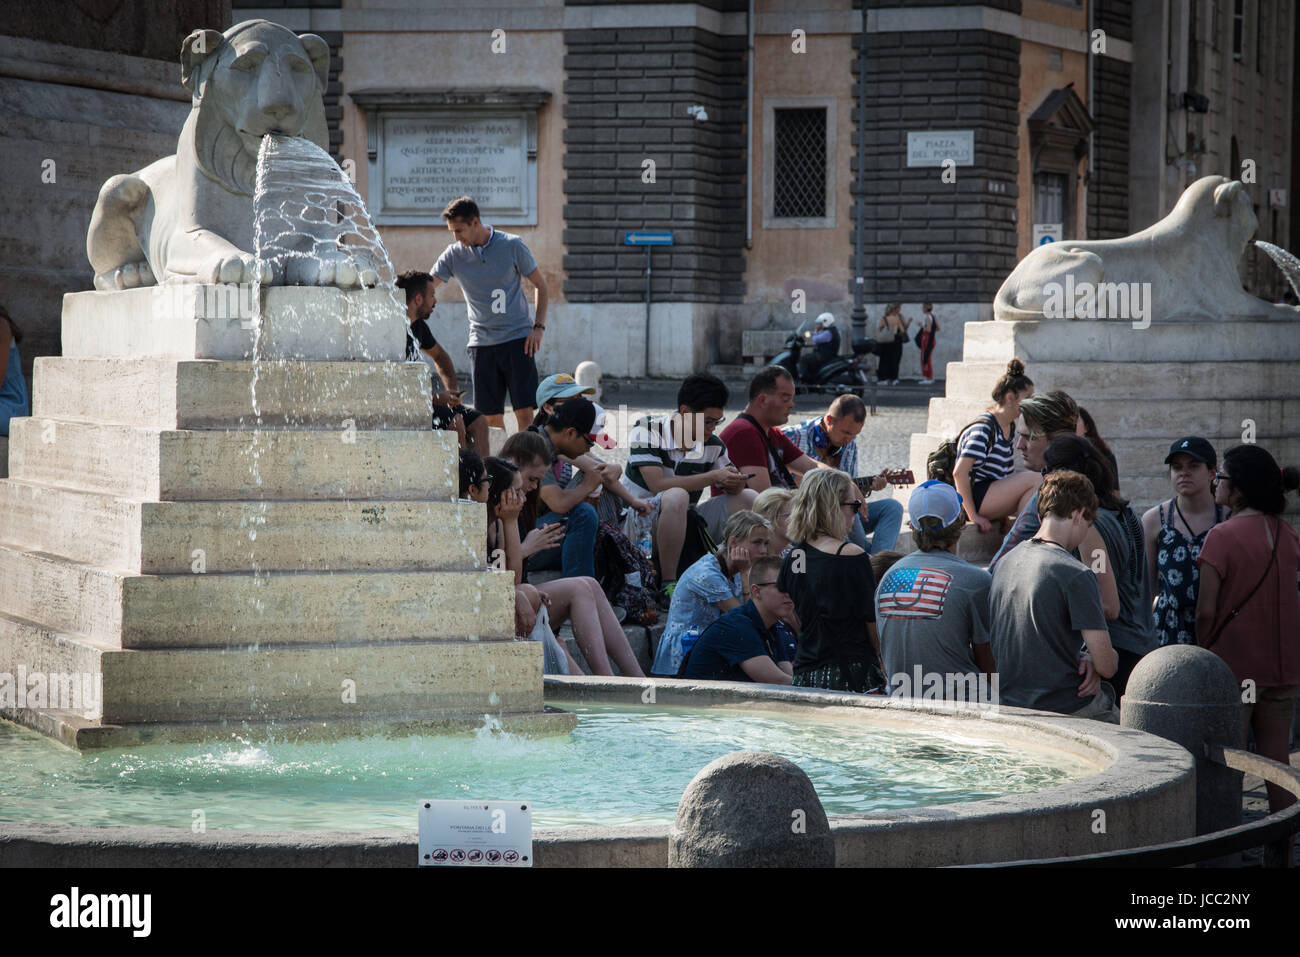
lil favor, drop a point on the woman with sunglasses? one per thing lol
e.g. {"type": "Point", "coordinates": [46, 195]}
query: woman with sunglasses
{"type": "Point", "coordinates": [1248, 610]}
{"type": "Point", "coordinates": [830, 580]}
{"type": "Point", "coordinates": [1174, 532]}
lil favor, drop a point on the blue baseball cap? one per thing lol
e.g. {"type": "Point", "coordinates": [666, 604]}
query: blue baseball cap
{"type": "Point", "coordinates": [561, 386]}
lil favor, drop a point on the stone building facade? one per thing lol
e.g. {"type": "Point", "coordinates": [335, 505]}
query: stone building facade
{"type": "Point", "coordinates": [734, 125]}
{"type": "Point", "coordinates": [87, 90]}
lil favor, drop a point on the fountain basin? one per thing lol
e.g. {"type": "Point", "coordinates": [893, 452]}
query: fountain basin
{"type": "Point", "coordinates": [1140, 791]}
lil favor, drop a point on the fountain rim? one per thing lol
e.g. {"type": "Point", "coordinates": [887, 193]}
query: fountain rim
{"type": "Point", "coordinates": [1146, 787]}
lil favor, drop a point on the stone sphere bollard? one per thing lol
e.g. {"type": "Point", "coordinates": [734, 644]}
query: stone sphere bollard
{"type": "Point", "coordinates": [588, 373]}
{"type": "Point", "coordinates": [751, 809]}
{"type": "Point", "coordinates": [1188, 695]}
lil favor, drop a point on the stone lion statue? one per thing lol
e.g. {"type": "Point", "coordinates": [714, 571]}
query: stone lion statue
{"type": "Point", "coordinates": [189, 217]}
{"type": "Point", "coordinates": [1182, 267]}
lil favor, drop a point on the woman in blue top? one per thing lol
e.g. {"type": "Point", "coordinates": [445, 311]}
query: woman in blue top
{"type": "Point", "coordinates": [711, 586]}
{"type": "Point", "coordinates": [13, 387]}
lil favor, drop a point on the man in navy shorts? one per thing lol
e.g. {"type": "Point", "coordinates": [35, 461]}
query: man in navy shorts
{"type": "Point", "coordinates": [503, 336]}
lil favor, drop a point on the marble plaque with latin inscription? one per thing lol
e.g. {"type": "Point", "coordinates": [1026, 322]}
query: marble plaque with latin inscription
{"type": "Point", "coordinates": [428, 161]}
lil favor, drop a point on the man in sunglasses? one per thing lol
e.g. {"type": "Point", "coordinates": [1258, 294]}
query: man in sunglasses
{"type": "Point", "coordinates": [744, 644]}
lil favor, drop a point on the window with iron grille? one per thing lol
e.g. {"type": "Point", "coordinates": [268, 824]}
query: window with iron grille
{"type": "Point", "coordinates": [799, 173]}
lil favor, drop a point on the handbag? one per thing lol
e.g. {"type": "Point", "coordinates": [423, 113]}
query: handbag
{"type": "Point", "coordinates": [917, 338]}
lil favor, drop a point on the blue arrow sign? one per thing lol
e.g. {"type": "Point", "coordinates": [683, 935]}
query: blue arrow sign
{"type": "Point", "coordinates": [647, 239]}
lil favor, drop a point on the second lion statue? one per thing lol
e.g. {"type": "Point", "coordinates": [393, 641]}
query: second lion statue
{"type": "Point", "coordinates": [189, 217]}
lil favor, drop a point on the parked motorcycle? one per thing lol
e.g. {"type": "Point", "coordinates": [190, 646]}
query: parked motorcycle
{"type": "Point", "coordinates": [838, 375]}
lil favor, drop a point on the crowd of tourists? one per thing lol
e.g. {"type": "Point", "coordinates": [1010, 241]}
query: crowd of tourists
{"type": "Point", "coordinates": [785, 573]}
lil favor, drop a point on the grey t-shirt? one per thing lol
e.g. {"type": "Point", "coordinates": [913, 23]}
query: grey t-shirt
{"type": "Point", "coordinates": [1042, 599]}
{"type": "Point", "coordinates": [930, 608]}
{"type": "Point", "coordinates": [1134, 629]}
{"type": "Point", "coordinates": [489, 277]}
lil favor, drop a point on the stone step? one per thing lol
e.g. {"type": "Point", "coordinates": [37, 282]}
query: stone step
{"type": "Point", "coordinates": [153, 465]}
{"type": "Point", "coordinates": [192, 321]}
{"type": "Point", "coordinates": [28, 649]}
{"type": "Point", "coordinates": [356, 681]}
{"type": "Point", "coordinates": [232, 610]}
{"type": "Point", "coordinates": [1107, 341]}
{"type": "Point", "coordinates": [84, 734]}
{"type": "Point", "coordinates": [1133, 379]}
{"type": "Point", "coordinates": [161, 393]}
{"type": "Point", "coordinates": [1132, 418]}
{"type": "Point", "coordinates": [643, 640]}
{"type": "Point", "coordinates": [155, 538]}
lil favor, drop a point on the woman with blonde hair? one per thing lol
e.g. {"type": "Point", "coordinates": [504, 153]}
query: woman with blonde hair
{"type": "Point", "coordinates": [773, 504]}
{"type": "Point", "coordinates": [833, 588]}
{"type": "Point", "coordinates": [714, 584]}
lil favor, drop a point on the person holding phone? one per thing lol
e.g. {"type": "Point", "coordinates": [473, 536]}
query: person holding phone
{"type": "Point", "coordinates": [673, 458]}
{"type": "Point", "coordinates": [470, 426]}
{"type": "Point", "coordinates": [755, 443]}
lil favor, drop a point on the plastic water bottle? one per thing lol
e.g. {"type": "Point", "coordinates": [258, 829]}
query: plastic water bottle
{"type": "Point", "coordinates": [643, 524]}
{"type": "Point", "coordinates": [689, 637]}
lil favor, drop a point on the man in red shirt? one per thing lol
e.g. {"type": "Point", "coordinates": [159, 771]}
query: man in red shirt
{"type": "Point", "coordinates": [768, 460]}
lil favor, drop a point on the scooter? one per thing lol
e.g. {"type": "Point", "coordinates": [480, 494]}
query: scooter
{"type": "Point", "coordinates": [840, 374]}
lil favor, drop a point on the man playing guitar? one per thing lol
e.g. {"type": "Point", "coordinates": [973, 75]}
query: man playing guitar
{"type": "Point", "coordinates": [831, 440]}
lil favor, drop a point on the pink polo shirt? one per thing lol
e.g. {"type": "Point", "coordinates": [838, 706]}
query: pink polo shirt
{"type": "Point", "coordinates": [1263, 641]}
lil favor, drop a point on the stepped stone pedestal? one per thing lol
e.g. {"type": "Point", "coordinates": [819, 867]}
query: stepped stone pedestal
{"type": "Point", "coordinates": [200, 542]}
{"type": "Point", "coordinates": [1229, 380]}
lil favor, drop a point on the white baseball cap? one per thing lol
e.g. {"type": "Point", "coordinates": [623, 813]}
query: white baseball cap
{"type": "Point", "coordinates": [934, 499]}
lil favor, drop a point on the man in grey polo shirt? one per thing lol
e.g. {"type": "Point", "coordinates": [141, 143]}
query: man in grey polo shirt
{"type": "Point", "coordinates": [503, 337]}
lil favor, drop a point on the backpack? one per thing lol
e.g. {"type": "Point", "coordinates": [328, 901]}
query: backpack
{"type": "Point", "coordinates": [940, 463]}
{"type": "Point", "coordinates": [696, 542]}
{"type": "Point", "coordinates": [625, 575]}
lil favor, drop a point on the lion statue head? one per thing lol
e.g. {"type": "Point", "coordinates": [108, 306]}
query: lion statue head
{"type": "Point", "coordinates": [1218, 199]}
{"type": "Point", "coordinates": [254, 79]}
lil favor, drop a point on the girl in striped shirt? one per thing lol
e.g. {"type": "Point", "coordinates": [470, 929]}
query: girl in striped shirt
{"type": "Point", "coordinates": [985, 455]}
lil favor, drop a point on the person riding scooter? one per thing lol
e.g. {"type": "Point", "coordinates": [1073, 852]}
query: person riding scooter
{"type": "Point", "coordinates": [826, 346]}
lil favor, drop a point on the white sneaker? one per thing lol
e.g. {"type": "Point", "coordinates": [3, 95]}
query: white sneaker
{"type": "Point", "coordinates": [927, 382]}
